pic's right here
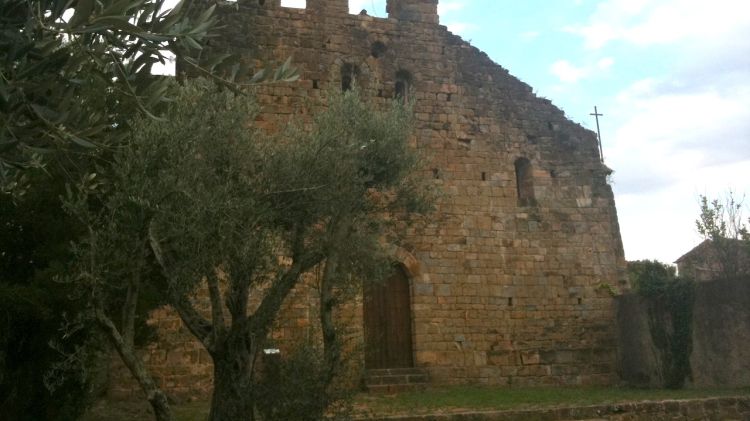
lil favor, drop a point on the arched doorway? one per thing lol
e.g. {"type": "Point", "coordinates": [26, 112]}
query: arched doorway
{"type": "Point", "coordinates": [387, 322]}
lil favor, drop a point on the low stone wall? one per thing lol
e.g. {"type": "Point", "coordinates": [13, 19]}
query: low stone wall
{"type": "Point", "coordinates": [720, 355]}
{"type": "Point", "coordinates": [728, 408]}
{"type": "Point", "coordinates": [721, 334]}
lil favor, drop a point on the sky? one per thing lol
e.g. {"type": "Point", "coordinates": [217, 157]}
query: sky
{"type": "Point", "coordinates": [671, 78]}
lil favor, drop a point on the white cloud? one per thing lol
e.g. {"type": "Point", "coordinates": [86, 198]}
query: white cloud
{"type": "Point", "coordinates": [660, 224]}
{"type": "Point", "coordinates": [648, 22]}
{"type": "Point", "coordinates": [570, 73]}
{"type": "Point", "coordinates": [529, 35]}
{"type": "Point", "coordinates": [300, 4]}
{"type": "Point", "coordinates": [444, 8]}
{"type": "Point", "coordinates": [461, 28]}
{"type": "Point", "coordinates": [567, 72]}
{"type": "Point", "coordinates": [373, 7]}
{"type": "Point", "coordinates": [605, 63]}
{"type": "Point", "coordinates": [669, 147]}
{"type": "Point", "coordinates": [679, 134]}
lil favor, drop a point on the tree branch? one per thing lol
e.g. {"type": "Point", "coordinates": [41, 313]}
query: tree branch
{"type": "Point", "coordinates": [130, 306]}
{"type": "Point", "coordinates": [196, 324]}
{"type": "Point", "coordinates": [331, 345]}
{"type": "Point", "coordinates": [236, 298]}
{"type": "Point", "coordinates": [269, 307]}
{"type": "Point", "coordinates": [155, 396]}
{"type": "Point", "coordinates": [129, 310]}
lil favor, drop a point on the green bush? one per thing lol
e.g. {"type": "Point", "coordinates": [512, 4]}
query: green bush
{"type": "Point", "coordinates": [669, 301]}
{"type": "Point", "coordinates": [650, 277]}
{"type": "Point", "coordinates": [293, 387]}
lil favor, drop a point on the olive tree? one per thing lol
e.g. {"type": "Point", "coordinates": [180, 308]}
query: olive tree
{"type": "Point", "coordinates": [203, 199]}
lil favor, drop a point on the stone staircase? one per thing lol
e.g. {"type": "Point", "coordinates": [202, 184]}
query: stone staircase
{"type": "Point", "coordinates": [395, 380]}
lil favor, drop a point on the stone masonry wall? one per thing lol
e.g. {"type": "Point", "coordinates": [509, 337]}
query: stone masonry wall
{"type": "Point", "coordinates": [728, 408]}
{"type": "Point", "coordinates": [510, 291]}
{"type": "Point", "coordinates": [720, 348]}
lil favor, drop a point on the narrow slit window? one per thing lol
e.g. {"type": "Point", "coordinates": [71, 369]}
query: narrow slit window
{"type": "Point", "coordinates": [402, 87]}
{"type": "Point", "coordinates": [349, 73]}
{"type": "Point", "coordinates": [524, 182]}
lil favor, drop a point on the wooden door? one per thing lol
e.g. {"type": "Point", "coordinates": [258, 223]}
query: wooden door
{"type": "Point", "coordinates": [387, 317]}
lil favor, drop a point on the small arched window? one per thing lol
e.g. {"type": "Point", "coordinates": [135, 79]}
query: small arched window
{"type": "Point", "coordinates": [403, 86]}
{"type": "Point", "coordinates": [349, 73]}
{"type": "Point", "coordinates": [524, 182]}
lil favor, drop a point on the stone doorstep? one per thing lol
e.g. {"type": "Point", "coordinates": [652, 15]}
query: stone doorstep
{"type": "Point", "coordinates": [410, 379]}
{"type": "Point", "coordinates": [388, 389]}
{"type": "Point", "coordinates": [394, 371]}
{"type": "Point", "coordinates": [396, 380]}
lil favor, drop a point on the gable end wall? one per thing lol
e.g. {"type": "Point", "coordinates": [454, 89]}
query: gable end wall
{"type": "Point", "coordinates": [507, 293]}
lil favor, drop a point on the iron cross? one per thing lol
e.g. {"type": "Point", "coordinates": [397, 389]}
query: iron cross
{"type": "Point", "coordinates": [598, 132]}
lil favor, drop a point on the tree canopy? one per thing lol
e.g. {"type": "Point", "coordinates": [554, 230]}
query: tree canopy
{"type": "Point", "coordinates": [721, 221]}
{"type": "Point", "coordinates": [73, 75]}
{"type": "Point", "coordinates": [74, 72]}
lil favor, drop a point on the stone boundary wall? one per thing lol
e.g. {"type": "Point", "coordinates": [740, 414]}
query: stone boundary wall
{"type": "Point", "coordinates": [727, 408]}
{"type": "Point", "coordinates": [720, 354]}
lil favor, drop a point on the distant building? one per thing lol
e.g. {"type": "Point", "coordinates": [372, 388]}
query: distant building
{"type": "Point", "coordinates": [709, 261]}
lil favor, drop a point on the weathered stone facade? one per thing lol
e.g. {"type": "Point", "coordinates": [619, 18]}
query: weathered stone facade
{"type": "Point", "coordinates": [516, 265]}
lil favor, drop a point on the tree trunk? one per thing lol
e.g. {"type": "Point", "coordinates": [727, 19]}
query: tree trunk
{"type": "Point", "coordinates": [331, 343]}
{"type": "Point", "coordinates": [233, 396]}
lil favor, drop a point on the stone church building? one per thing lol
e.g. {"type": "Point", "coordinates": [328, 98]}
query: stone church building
{"type": "Point", "coordinates": [511, 280]}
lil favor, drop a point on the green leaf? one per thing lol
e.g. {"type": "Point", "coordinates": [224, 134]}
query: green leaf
{"type": "Point", "coordinates": [206, 15]}
{"type": "Point", "coordinates": [258, 76]}
{"type": "Point", "coordinates": [117, 22]}
{"type": "Point", "coordinates": [216, 60]}
{"type": "Point", "coordinates": [47, 114]}
{"type": "Point", "coordinates": [120, 7]}
{"type": "Point", "coordinates": [158, 90]}
{"type": "Point", "coordinates": [192, 43]}
{"type": "Point", "coordinates": [43, 151]}
{"type": "Point", "coordinates": [171, 18]}
{"type": "Point", "coordinates": [81, 142]}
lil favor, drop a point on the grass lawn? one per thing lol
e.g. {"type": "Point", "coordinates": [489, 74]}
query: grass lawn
{"type": "Point", "coordinates": [141, 410]}
{"type": "Point", "coordinates": [442, 400]}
